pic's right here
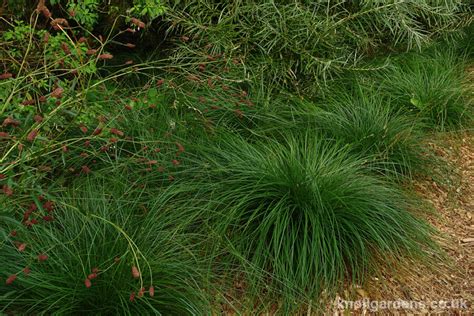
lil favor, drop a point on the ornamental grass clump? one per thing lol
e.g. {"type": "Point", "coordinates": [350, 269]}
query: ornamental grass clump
{"type": "Point", "coordinates": [301, 214]}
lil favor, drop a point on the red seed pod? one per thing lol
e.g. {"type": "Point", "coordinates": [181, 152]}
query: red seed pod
{"type": "Point", "coordinates": [28, 102]}
{"type": "Point", "coordinates": [13, 233]}
{"type": "Point", "coordinates": [87, 283]}
{"type": "Point", "coordinates": [26, 270]}
{"type": "Point", "coordinates": [170, 178]}
{"type": "Point", "coordinates": [161, 169]}
{"type": "Point", "coordinates": [46, 37]}
{"type": "Point", "coordinates": [175, 162]}
{"type": "Point", "coordinates": [84, 155]}
{"type": "Point", "coordinates": [83, 129]}
{"type": "Point", "coordinates": [130, 30]}
{"type": "Point", "coordinates": [184, 38]}
{"type": "Point", "coordinates": [42, 99]}
{"type": "Point", "coordinates": [82, 40]}
{"type": "Point", "coordinates": [135, 272]}
{"type": "Point", "coordinates": [128, 107]}
{"type": "Point", "coordinates": [151, 291]}
{"type": "Point", "coordinates": [104, 149]}
{"type": "Point", "coordinates": [180, 147]}
{"type": "Point", "coordinates": [38, 118]}
{"type": "Point", "coordinates": [65, 48]}
{"type": "Point", "coordinates": [92, 276]}
{"type": "Point", "coordinates": [10, 121]}
{"type": "Point", "coordinates": [27, 215]}
{"type": "Point", "coordinates": [130, 45]}
{"type": "Point", "coordinates": [42, 257]}
{"type": "Point", "coordinates": [141, 292]}
{"type": "Point", "coordinates": [4, 135]}
{"type": "Point", "coordinates": [6, 75]}
{"type": "Point", "coordinates": [106, 56]}
{"type": "Point", "coordinates": [48, 206]}
{"type": "Point", "coordinates": [91, 52]}
{"type": "Point", "coordinates": [160, 82]}
{"type": "Point", "coordinates": [97, 131]}
{"type": "Point", "coordinates": [10, 279]}
{"type": "Point", "coordinates": [137, 23]}
{"type": "Point", "coordinates": [117, 259]}
{"type": "Point", "coordinates": [202, 67]}
{"type": "Point", "coordinates": [65, 149]}
{"type": "Point", "coordinates": [21, 247]}
{"type": "Point", "coordinates": [46, 13]}
{"type": "Point", "coordinates": [132, 297]}
{"type": "Point", "coordinates": [72, 13]}
{"type": "Point", "coordinates": [85, 169]}
{"type": "Point", "coordinates": [116, 132]}
{"type": "Point", "coordinates": [34, 221]}
{"type": "Point", "coordinates": [129, 62]}
{"type": "Point", "coordinates": [33, 207]}
{"type": "Point", "coordinates": [7, 190]}
{"type": "Point", "coordinates": [239, 113]}
{"type": "Point", "coordinates": [2, 176]}
{"type": "Point", "coordinates": [32, 135]}
{"type": "Point", "coordinates": [59, 23]}
{"type": "Point", "coordinates": [87, 143]}
{"type": "Point", "coordinates": [225, 87]}
{"type": "Point", "coordinates": [57, 93]}
{"type": "Point", "coordinates": [95, 270]}
{"type": "Point", "coordinates": [48, 218]}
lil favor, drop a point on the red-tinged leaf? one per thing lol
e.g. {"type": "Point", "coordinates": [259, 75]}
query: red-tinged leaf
{"type": "Point", "coordinates": [26, 270]}
{"type": "Point", "coordinates": [132, 297]}
{"type": "Point", "coordinates": [10, 279]}
{"type": "Point", "coordinates": [87, 283]}
{"type": "Point", "coordinates": [4, 135]}
{"type": "Point", "coordinates": [151, 291]}
{"type": "Point", "coordinates": [85, 169]}
{"type": "Point", "coordinates": [6, 75]}
{"type": "Point", "coordinates": [135, 272]}
{"type": "Point", "coordinates": [92, 276]}
{"type": "Point", "coordinates": [106, 56]}
{"type": "Point", "coordinates": [7, 190]}
{"type": "Point", "coordinates": [57, 93]}
{"type": "Point", "coordinates": [42, 257]}
{"type": "Point", "coordinates": [21, 247]}
{"type": "Point", "coordinates": [116, 132]}
{"type": "Point", "coordinates": [32, 135]}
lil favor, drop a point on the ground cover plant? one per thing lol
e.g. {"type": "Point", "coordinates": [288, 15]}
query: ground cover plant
{"type": "Point", "coordinates": [252, 159]}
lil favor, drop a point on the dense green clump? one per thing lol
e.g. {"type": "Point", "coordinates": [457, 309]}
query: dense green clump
{"type": "Point", "coordinates": [101, 247]}
{"type": "Point", "coordinates": [304, 211]}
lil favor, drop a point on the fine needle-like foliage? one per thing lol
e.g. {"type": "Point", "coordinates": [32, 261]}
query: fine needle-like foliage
{"type": "Point", "coordinates": [104, 248]}
{"type": "Point", "coordinates": [304, 211]}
